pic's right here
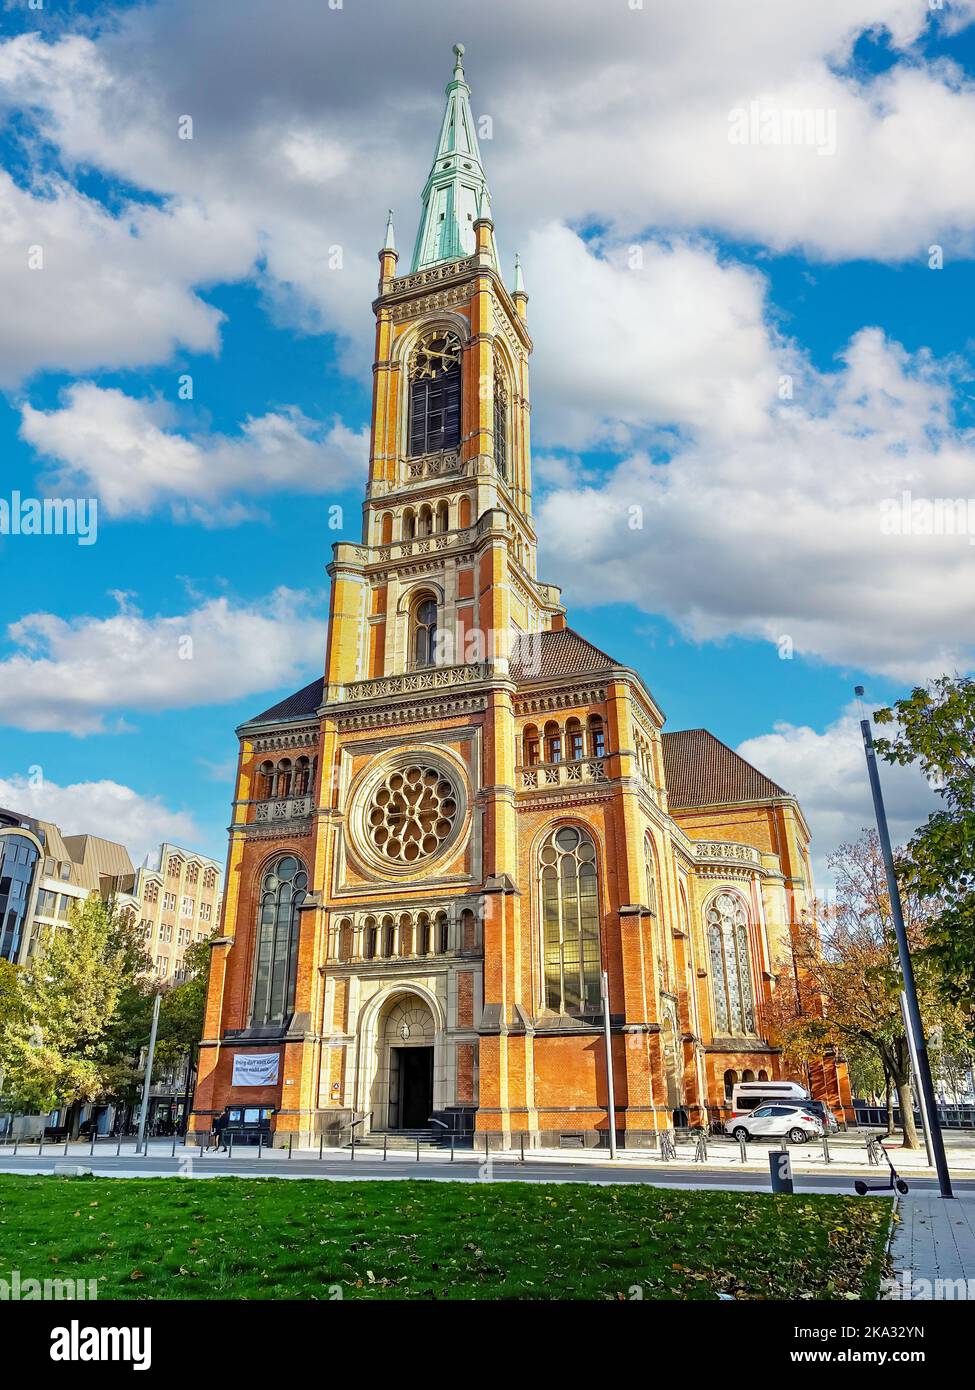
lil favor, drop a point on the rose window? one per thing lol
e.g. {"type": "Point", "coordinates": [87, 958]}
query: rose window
{"type": "Point", "coordinates": [411, 814]}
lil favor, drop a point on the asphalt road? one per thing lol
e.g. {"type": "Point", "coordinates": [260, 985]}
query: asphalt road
{"type": "Point", "coordinates": [341, 1168]}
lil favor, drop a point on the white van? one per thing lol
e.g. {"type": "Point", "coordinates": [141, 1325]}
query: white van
{"type": "Point", "coordinates": [746, 1095]}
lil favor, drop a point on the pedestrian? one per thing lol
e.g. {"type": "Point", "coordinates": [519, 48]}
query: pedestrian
{"type": "Point", "coordinates": [216, 1133]}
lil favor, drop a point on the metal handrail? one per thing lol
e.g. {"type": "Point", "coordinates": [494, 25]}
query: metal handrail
{"type": "Point", "coordinates": [432, 1120]}
{"type": "Point", "coordinates": [367, 1115]}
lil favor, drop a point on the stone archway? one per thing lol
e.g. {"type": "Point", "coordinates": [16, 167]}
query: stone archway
{"type": "Point", "coordinates": [403, 1055]}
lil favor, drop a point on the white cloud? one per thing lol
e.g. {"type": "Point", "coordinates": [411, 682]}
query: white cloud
{"type": "Point", "coordinates": [661, 334]}
{"type": "Point", "coordinates": [827, 771]}
{"type": "Point", "coordinates": [616, 115]}
{"type": "Point", "coordinates": [781, 533]}
{"type": "Point", "coordinates": [109, 443]}
{"type": "Point", "coordinates": [104, 808]}
{"type": "Point", "coordinates": [82, 676]}
{"type": "Point", "coordinates": [82, 288]}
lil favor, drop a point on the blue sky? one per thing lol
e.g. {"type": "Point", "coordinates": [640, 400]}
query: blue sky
{"type": "Point", "coordinates": [209, 258]}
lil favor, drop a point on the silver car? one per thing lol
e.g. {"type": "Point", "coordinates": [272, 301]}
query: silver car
{"type": "Point", "coordinates": [774, 1121]}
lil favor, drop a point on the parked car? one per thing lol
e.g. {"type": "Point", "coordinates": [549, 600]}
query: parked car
{"type": "Point", "coordinates": [796, 1122]}
{"type": "Point", "coordinates": [826, 1117]}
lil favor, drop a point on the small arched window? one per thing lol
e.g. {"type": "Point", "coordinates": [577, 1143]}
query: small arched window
{"type": "Point", "coordinates": [409, 524]}
{"type": "Point", "coordinates": [730, 1077]}
{"type": "Point", "coordinates": [574, 741]}
{"type": "Point", "coordinates": [283, 890]}
{"type": "Point", "coordinates": [370, 942]}
{"type": "Point", "coordinates": [531, 750]}
{"type": "Point", "coordinates": [386, 529]}
{"type": "Point", "coordinates": [464, 512]}
{"type": "Point", "coordinates": [424, 521]}
{"type": "Point", "coordinates": [424, 638]}
{"type": "Point", "coordinates": [727, 928]}
{"type": "Point", "coordinates": [443, 932]}
{"type": "Point", "coordinates": [443, 517]}
{"type": "Point", "coordinates": [435, 392]}
{"type": "Point", "coordinates": [346, 939]}
{"type": "Point", "coordinates": [302, 776]}
{"type": "Point", "coordinates": [569, 897]}
{"type": "Point", "coordinates": [597, 736]}
{"type": "Point", "coordinates": [284, 777]}
{"type": "Point", "coordinates": [553, 742]}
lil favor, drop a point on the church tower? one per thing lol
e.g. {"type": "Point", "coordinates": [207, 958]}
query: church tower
{"type": "Point", "coordinates": [439, 847]}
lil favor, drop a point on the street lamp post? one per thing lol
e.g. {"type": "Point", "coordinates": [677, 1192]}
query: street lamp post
{"type": "Point", "coordinates": [147, 1080]}
{"type": "Point", "coordinates": [610, 1088]}
{"type": "Point", "coordinates": [925, 1083]}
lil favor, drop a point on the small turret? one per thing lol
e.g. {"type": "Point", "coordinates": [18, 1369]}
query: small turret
{"type": "Point", "coordinates": [388, 256]}
{"type": "Point", "coordinates": [519, 294]}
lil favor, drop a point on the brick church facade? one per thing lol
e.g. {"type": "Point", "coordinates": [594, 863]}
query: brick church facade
{"type": "Point", "coordinates": [439, 847]}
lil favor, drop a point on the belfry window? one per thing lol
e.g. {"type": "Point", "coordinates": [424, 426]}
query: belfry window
{"type": "Point", "coordinates": [569, 897]}
{"type": "Point", "coordinates": [283, 890]}
{"type": "Point", "coordinates": [500, 423]}
{"type": "Point", "coordinates": [727, 927]}
{"type": "Point", "coordinates": [435, 393]}
{"type": "Point", "coordinates": [424, 637]}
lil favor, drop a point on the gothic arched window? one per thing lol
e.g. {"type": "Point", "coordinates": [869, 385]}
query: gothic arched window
{"type": "Point", "coordinates": [734, 1002]}
{"type": "Point", "coordinates": [658, 928]}
{"type": "Point", "coordinates": [435, 392]}
{"type": "Point", "coordinates": [283, 890]}
{"type": "Point", "coordinates": [569, 895]}
{"type": "Point", "coordinates": [500, 423]}
{"type": "Point", "coordinates": [424, 634]}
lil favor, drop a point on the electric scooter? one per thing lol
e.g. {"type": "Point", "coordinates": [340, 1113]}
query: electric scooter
{"type": "Point", "coordinates": [895, 1181]}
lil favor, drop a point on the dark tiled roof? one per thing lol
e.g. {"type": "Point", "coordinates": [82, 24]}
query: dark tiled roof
{"type": "Point", "coordinates": [302, 702]}
{"type": "Point", "coordinates": [703, 771]}
{"type": "Point", "coordinates": [561, 653]}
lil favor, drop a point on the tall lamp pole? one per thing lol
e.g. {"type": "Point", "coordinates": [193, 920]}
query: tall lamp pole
{"type": "Point", "coordinates": [610, 1088]}
{"type": "Point", "coordinates": [147, 1080]}
{"type": "Point", "coordinates": [925, 1084]}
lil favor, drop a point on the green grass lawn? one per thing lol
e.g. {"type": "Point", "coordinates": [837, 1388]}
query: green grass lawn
{"type": "Point", "coordinates": [270, 1238]}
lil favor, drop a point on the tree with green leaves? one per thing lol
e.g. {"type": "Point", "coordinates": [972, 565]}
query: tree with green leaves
{"type": "Point", "coordinates": [56, 1048]}
{"type": "Point", "coordinates": [935, 729]}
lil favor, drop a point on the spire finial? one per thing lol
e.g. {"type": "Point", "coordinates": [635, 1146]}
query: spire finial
{"type": "Point", "coordinates": [458, 62]}
{"type": "Point", "coordinates": [519, 277]}
{"type": "Point", "coordinates": [390, 243]}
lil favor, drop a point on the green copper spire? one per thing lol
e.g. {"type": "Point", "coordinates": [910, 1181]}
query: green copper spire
{"type": "Point", "coordinates": [456, 189]}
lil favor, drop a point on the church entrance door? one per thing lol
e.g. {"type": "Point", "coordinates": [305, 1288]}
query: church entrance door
{"type": "Point", "coordinates": [410, 1087]}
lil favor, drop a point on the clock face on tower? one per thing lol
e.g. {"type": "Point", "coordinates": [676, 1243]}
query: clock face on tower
{"type": "Point", "coordinates": [435, 353]}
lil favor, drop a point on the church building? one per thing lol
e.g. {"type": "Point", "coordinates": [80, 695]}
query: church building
{"type": "Point", "coordinates": [438, 848]}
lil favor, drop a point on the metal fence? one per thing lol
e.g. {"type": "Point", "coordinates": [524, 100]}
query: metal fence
{"type": "Point", "coordinates": [949, 1116]}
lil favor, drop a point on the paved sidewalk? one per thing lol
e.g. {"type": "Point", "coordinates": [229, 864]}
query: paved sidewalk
{"type": "Point", "coordinates": [933, 1249]}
